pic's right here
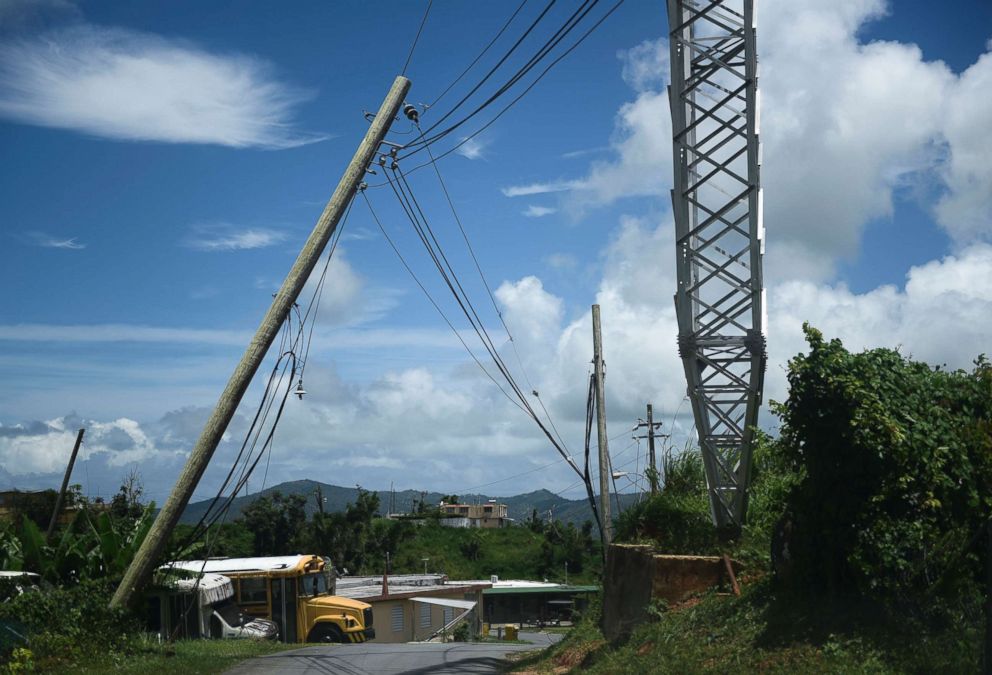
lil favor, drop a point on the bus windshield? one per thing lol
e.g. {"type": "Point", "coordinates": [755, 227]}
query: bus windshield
{"type": "Point", "coordinates": [313, 584]}
{"type": "Point", "coordinates": [230, 612]}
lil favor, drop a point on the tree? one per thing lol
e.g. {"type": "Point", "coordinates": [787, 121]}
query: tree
{"type": "Point", "coordinates": [126, 504]}
{"type": "Point", "coordinates": [893, 460]}
{"type": "Point", "coordinates": [276, 523]}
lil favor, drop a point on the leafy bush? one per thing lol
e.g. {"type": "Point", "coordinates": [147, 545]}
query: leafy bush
{"type": "Point", "coordinates": [64, 623]}
{"type": "Point", "coordinates": [677, 518]}
{"type": "Point", "coordinates": [892, 462]}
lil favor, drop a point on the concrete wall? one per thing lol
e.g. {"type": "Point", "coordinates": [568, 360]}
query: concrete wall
{"type": "Point", "coordinates": [636, 576]}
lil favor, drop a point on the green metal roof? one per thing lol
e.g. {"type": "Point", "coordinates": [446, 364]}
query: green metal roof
{"type": "Point", "coordinates": [532, 589]}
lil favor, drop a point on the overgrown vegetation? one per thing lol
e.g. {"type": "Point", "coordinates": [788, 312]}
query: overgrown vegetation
{"type": "Point", "coordinates": [865, 535]}
{"type": "Point", "coordinates": [767, 631]}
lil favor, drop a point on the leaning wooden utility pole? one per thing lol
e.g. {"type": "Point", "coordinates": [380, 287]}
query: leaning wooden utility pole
{"type": "Point", "coordinates": [65, 486]}
{"type": "Point", "coordinates": [604, 449]}
{"type": "Point", "coordinates": [141, 567]}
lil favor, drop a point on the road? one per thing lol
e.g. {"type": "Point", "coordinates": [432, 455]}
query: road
{"type": "Point", "coordinates": [372, 658]}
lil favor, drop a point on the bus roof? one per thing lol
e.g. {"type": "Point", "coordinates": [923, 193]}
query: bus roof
{"type": "Point", "coordinates": [286, 564]}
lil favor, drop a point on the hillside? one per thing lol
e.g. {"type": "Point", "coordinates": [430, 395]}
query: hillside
{"type": "Point", "coordinates": [337, 498]}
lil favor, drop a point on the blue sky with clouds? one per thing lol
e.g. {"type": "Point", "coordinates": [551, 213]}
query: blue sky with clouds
{"type": "Point", "coordinates": [165, 161]}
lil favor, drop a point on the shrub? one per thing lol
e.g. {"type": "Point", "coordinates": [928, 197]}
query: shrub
{"type": "Point", "coordinates": [677, 518]}
{"type": "Point", "coordinates": [892, 462]}
{"type": "Point", "coordinates": [64, 623]}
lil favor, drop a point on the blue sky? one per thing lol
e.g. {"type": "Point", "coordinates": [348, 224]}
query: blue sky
{"type": "Point", "coordinates": [165, 161]}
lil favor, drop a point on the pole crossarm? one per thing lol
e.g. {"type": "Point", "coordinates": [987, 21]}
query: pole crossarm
{"type": "Point", "coordinates": [717, 203]}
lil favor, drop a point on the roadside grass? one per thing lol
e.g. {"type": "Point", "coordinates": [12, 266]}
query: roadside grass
{"type": "Point", "coordinates": [183, 657]}
{"type": "Point", "coordinates": [763, 631]}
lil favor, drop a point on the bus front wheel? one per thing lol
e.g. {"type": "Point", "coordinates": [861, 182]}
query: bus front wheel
{"type": "Point", "coordinates": [326, 633]}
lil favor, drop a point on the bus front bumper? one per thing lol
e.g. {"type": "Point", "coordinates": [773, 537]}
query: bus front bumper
{"type": "Point", "coordinates": [360, 635]}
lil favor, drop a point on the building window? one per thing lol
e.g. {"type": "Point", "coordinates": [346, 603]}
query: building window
{"type": "Point", "coordinates": [397, 618]}
{"type": "Point", "coordinates": [425, 615]}
{"type": "Point", "coordinates": [449, 615]}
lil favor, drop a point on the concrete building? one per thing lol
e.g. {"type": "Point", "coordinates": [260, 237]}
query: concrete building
{"type": "Point", "coordinates": [519, 602]}
{"type": "Point", "coordinates": [489, 514]}
{"type": "Point", "coordinates": [417, 607]}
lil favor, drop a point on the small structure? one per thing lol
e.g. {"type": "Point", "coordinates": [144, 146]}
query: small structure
{"type": "Point", "coordinates": [417, 607]}
{"type": "Point", "coordinates": [534, 602]}
{"type": "Point", "coordinates": [487, 515]}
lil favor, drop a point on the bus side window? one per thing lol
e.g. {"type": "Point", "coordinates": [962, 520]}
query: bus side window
{"type": "Point", "coordinates": [252, 591]}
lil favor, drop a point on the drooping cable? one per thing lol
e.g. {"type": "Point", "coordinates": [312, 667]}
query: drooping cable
{"type": "Point", "coordinates": [434, 303]}
{"type": "Point", "coordinates": [415, 214]}
{"type": "Point", "coordinates": [286, 368]}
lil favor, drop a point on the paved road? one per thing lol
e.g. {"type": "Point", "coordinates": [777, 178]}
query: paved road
{"type": "Point", "coordinates": [372, 658]}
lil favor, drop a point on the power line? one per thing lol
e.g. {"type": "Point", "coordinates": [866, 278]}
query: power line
{"type": "Point", "coordinates": [499, 63]}
{"type": "Point", "coordinates": [411, 207]}
{"type": "Point", "coordinates": [417, 38]}
{"type": "Point", "coordinates": [286, 364]}
{"type": "Point", "coordinates": [479, 56]}
{"type": "Point", "coordinates": [548, 45]}
{"type": "Point", "coordinates": [433, 302]}
{"type": "Point", "coordinates": [570, 24]}
{"type": "Point", "coordinates": [508, 105]}
{"type": "Point", "coordinates": [512, 102]}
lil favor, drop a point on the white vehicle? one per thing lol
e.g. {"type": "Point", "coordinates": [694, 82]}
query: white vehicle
{"type": "Point", "coordinates": [20, 582]}
{"type": "Point", "coordinates": [204, 609]}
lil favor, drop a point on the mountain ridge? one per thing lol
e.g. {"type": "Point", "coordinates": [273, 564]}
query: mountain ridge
{"type": "Point", "coordinates": [336, 498]}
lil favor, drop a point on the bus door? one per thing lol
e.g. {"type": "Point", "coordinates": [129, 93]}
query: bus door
{"type": "Point", "coordinates": [284, 607]}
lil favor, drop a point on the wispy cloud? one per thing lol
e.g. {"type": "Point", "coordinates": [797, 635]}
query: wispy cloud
{"type": "Point", "coordinates": [473, 148]}
{"type": "Point", "coordinates": [48, 241]}
{"type": "Point", "coordinates": [534, 211]}
{"type": "Point", "coordinates": [224, 237]}
{"type": "Point", "coordinates": [37, 332]}
{"type": "Point", "coordinates": [128, 85]}
{"type": "Point", "coordinates": [341, 338]}
{"type": "Point", "coordinates": [16, 14]}
{"type": "Point", "coordinates": [586, 151]}
{"type": "Point", "coordinates": [540, 188]}
{"type": "Point", "coordinates": [561, 261]}
{"type": "Point", "coordinates": [358, 234]}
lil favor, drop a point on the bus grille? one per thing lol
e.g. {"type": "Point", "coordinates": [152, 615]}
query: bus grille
{"type": "Point", "coordinates": [368, 617]}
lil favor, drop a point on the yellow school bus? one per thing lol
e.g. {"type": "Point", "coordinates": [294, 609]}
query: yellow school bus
{"type": "Point", "coordinates": [296, 592]}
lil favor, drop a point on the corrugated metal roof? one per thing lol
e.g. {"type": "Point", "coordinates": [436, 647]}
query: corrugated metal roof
{"type": "Point", "coordinates": [512, 590]}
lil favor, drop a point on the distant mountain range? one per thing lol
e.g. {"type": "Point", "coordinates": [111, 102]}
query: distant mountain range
{"type": "Point", "coordinates": [337, 498]}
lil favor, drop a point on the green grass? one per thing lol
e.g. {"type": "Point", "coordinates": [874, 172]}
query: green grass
{"type": "Point", "coordinates": [185, 657]}
{"type": "Point", "coordinates": [769, 633]}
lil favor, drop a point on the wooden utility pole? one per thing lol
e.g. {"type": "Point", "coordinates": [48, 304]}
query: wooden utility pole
{"type": "Point", "coordinates": [654, 467]}
{"type": "Point", "coordinates": [604, 449]}
{"type": "Point", "coordinates": [65, 485]}
{"type": "Point", "coordinates": [140, 570]}
{"type": "Point", "coordinates": [653, 475]}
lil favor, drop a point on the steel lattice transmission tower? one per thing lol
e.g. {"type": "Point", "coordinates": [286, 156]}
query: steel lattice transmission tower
{"type": "Point", "coordinates": [716, 198]}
